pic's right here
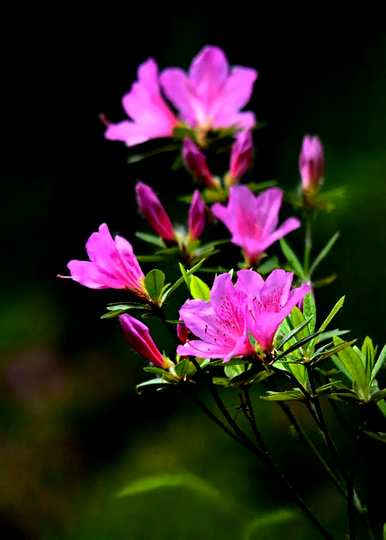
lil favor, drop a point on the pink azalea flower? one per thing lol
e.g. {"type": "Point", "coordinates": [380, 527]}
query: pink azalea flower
{"type": "Point", "coordinates": [241, 157]}
{"type": "Point", "coordinates": [220, 324]}
{"type": "Point", "coordinates": [269, 301]}
{"type": "Point", "coordinates": [253, 220]}
{"type": "Point", "coordinates": [150, 117]}
{"type": "Point", "coordinates": [153, 211]}
{"type": "Point", "coordinates": [112, 264]}
{"type": "Point", "coordinates": [311, 163]}
{"type": "Point", "coordinates": [138, 337]}
{"type": "Point", "coordinates": [212, 94]}
{"type": "Point", "coordinates": [196, 164]}
{"type": "Point", "coordinates": [250, 307]}
{"type": "Point", "coordinates": [196, 216]}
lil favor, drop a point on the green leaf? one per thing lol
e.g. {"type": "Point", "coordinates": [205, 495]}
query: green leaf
{"type": "Point", "coordinates": [338, 306]}
{"type": "Point", "coordinates": [185, 368]}
{"type": "Point", "coordinates": [185, 480]}
{"type": "Point", "coordinates": [377, 435]}
{"type": "Point", "coordinates": [309, 311]}
{"type": "Point", "coordinates": [292, 333]}
{"type": "Point", "coordinates": [232, 371]}
{"type": "Point", "coordinates": [325, 251]}
{"type": "Point", "coordinates": [292, 259]}
{"type": "Point", "coordinates": [271, 519]}
{"type": "Point", "coordinates": [379, 363]}
{"type": "Point", "coordinates": [153, 384]}
{"type": "Point", "coordinates": [180, 280]}
{"type": "Point", "coordinates": [377, 396]}
{"type": "Point", "coordinates": [151, 239]}
{"type": "Point", "coordinates": [350, 362]}
{"type": "Point", "coordinates": [268, 265]}
{"type": "Point", "coordinates": [199, 289]}
{"type": "Point", "coordinates": [288, 395]}
{"type": "Point", "coordinates": [150, 258]}
{"type": "Point", "coordinates": [154, 282]}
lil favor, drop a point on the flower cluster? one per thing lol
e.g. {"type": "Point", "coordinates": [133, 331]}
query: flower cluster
{"type": "Point", "coordinates": [257, 318]}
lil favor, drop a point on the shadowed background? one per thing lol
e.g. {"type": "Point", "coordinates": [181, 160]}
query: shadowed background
{"type": "Point", "coordinates": [72, 430]}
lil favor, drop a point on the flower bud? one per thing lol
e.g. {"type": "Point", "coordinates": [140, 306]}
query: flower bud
{"type": "Point", "coordinates": [139, 339]}
{"type": "Point", "coordinates": [241, 157]}
{"type": "Point", "coordinates": [196, 164]}
{"type": "Point", "coordinates": [153, 211]}
{"type": "Point", "coordinates": [196, 217]}
{"type": "Point", "coordinates": [311, 163]}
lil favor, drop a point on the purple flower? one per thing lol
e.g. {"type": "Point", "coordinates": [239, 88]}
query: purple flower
{"type": "Point", "coordinates": [311, 163]}
{"type": "Point", "coordinates": [112, 264]}
{"type": "Point", "coordinates": [150, 117]}
{"type": "Point", "coordinates": [253, 220]}
{"type": "Point", "coordinates": [153, 211]}
{"type": "Point", "coordinates": [196, 164]}
{"type": "Point", "coordinates": [251, 307]}
{"type": "Point", "coordinates": [220, 324]}
{"type": "Point", "coordinates": [138, 337]}
{"type": "Point", "coordinates": [211, 95]}
{"type": "Point", "coordinates": [196, 216]}
{"type": "Point", "coordinates": [269, 302]}
{"type": "Point", "coordinates": [241, 156]}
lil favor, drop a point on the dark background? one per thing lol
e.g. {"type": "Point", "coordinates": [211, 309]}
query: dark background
{"type": "Point", "coordinates": [72, 431]}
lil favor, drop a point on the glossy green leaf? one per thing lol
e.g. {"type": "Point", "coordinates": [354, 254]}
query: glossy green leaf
{"type": "Point", "coordinates": [379, 363]}
{"type": "Point", "coordinates": [277, 518]}
{"type": "Point", "coordinates": [292, 259]}
{"type": "Point", "coordinates": [288, 395]}
{"type": "Point", "coordinates": [337, 307]}
{"type": "Point", "coordinates": [199, 289]}
{"type": "Point", "coordinates": [325, 251]}
{"type": "Point", "coordinates": [154, 282]}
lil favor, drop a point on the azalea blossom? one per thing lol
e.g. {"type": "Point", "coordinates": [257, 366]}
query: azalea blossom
{"type": "Point", "coordinates": [138, 337]}
{"type": "Point", "coordinates": [152, 210]}
{"type": "Point", "coordinates": [251, 307]}
{"type": "Point", "coordinates": [253, 220]}
{"type": "Point", "coordinates": [311, 163]}
{"type": "Point", "coordinates": [269, 301]}
{"type": "Point", "coordinates": [112, 264]}
{"type": "Point", "coordinates": [220, 324]}
{"type": "Point", "coordinates": [149, 115]}
{"type": "Point", "coordinates": [211, 95]}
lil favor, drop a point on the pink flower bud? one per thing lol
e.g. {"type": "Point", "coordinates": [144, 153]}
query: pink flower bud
{"type": "Point", "coordinates": [196, 164]}
{"type": "Point", "coordinates": [182, 332]}
{"type": "Point", "coordinates": [241, 156]}
{"type": "Point", "coordinates": [196, 217]}
{"type": "Point", "coordinates": [138, 337]}
{"type": "Point", "coordinates": [153, 211]}
{"type": "Point", "coordinates": [311, 163]}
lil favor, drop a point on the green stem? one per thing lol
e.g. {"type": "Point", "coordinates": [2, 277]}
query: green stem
{"type": "Point", "coordinates": [307, 243]}
{"type": "Point", "coordinates": [334, 454]}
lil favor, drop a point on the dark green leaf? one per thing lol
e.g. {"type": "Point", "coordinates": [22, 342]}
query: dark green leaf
{"type": "Point", "coordinates": [338, 306]}
{"type": "Point", "coordinates": [325, 251]}
{"type": "Point", "coordinates": [309, 311]}
{"type": "Point", "coordinates": [292, 259]}
{"type": "Point", "coordinates": [292, 333]}
{"type": "Point", "coordinates": [151, 239]}
{"type": "Point", "coordinates": [288, 395]}
{"type": "Point", "coordinates": [185, 368]}
{"type": "Point", "coordinates": [268, 265]}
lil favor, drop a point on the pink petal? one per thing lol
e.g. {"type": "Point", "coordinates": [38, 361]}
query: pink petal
{"type": "Point", "coordinates": [288, 226]}
{"type": "Point", "coordinates": [208, 74]}
{"type": "Point", "coordinates": [178, 90]}
{"type": "Point", "coordinates": [88, 274]}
